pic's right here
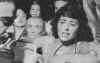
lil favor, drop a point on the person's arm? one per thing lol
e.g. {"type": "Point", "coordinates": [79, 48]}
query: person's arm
{"type": "Point", "coordinates": [90, 9]}
{"type": "Point", "coordinates": [98, 11]}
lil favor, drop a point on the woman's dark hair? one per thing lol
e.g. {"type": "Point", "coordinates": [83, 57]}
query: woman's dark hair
{"type": "Point", "coordinates": [84, 33]}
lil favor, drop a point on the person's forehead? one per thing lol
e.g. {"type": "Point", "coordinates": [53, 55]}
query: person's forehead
{"type": "Point", "coordinates": [35, 6]}
{"type": "Point", "coordinates": [35, 21]}
{"type": "Point", "coordinates": [68, 19]}
{"type": "Point", "coordinates": [20, 12]}
{"type": "Point", "coordinates": [6, 9]}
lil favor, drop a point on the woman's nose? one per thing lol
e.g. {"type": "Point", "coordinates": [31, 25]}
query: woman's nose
{"type": "Point", "coordinates": [67, 29]}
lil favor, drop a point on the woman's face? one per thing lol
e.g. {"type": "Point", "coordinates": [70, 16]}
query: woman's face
{"type": "Point", "coordinates": [34, 27]}
{"type": "Point", "coordinates": [35, 10]}
{"type": "Point", "coordinates": [67, 28]}
{"type": "Point", "coordinates": [20, 19]}
{"type": "Point", "coordinates": [59, 4]}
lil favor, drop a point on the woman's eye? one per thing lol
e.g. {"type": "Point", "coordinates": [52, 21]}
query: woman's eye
{"type": "Point", "coordinates": [73, 24]}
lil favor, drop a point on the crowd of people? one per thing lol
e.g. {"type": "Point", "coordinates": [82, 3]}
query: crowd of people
{"type": "Point", "coordinates": [52, 31]}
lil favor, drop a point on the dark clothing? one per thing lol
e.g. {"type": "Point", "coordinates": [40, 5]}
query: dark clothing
{"type": "Point", "coordinates": [6, 57]}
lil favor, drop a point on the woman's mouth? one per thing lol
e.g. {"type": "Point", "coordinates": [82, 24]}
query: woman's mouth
{"type": "Point", "coordinates": [65, 34]}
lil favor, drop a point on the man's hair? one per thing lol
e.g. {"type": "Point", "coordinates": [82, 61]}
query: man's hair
{"type": "Point", "coordinates": [84, 32]}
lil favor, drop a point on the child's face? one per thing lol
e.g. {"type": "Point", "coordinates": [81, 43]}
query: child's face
{"type": "Point", "coordinates": [21, 18]}
{"type": "Point", "coordinates": [35, 10]}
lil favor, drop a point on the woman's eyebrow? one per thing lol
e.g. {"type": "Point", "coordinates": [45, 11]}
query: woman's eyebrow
{"type": "Point", "coordinates": [73, 21]}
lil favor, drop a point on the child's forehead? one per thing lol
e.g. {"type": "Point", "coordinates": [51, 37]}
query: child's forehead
{"type": "Point", "coordinates": [20, 11]}
{"type": "Point", "coordinates": [35, 21]}
{"type": "Point", "coordinates": [36, 6]}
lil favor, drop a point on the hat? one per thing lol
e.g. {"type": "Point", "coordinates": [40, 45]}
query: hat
{"type": "Point", "coordinates": [6, 9]}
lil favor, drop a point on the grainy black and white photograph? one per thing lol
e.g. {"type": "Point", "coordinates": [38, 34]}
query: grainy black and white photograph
{"type": "Point", "coordinates": [49, 31]}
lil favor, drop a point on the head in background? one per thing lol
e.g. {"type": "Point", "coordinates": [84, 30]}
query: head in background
{"type": "Point", "coordinates": [35, 27]}
{"type": "Point", "coordinates": [35, 9]}
{"type": "Point", "coordinates": [20, 19]}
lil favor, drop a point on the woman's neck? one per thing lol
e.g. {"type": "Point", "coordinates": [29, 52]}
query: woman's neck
{"type": "Point", "coordinates": [69, 42]}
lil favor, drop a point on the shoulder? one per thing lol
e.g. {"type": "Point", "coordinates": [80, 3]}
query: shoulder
{"type": "Point", "coordinates": [44, 40]}
{"type": "Point", "coordinates": [90, 44]}
{"type": "Point", "coordinates": [95, 46]}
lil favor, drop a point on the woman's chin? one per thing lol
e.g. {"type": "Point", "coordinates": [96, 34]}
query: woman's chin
{"type": "Point", "coordinates": [65, 39]}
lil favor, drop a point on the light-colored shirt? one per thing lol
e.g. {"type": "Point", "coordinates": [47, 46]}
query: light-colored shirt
{"type": "Point", "coordinates": [55, 52]}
